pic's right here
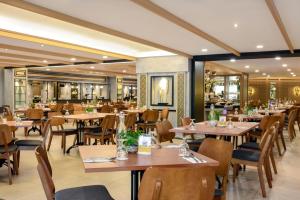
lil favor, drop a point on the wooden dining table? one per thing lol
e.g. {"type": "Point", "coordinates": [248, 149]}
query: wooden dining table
{"type": "Point", "coordinates": [203, 128]}
{"type": "Point", "coordinates": [80, 123]}
{"type": "Point", "coordinates": [137, 164]}
{"type": "Point", "coordinates": [272, 112]}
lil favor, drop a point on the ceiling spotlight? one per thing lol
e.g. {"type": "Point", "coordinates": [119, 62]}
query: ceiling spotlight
{"type": "Point", "coordinates": [259, 46]}
{"type": "Point", "coordinates": [288, 70]}
{"type": "Point", "coordinates": [48, 69]}
{"type": "Point", "coordinates": [45, 61]}
{"type": "Point", "coordinates": [268, 76]}
{"type": "Point", "coordinates": [235, 25]}
{"type": "Point", "coordinates": [204, 50]}
{"type": "Point", "coordinates": [92, 67]}
{"type": "Point", "coordinates": [264, 74]}
{"type": "Point", "coordinates": [5, 49]}
{"type": "Point", "coordinates": [284, 65]}
{"type": "Point", "coordinates": [294, 75]}
{"type": "Point", "coordinates": [277, 58]}
{"type": "Point", "coordinates": [124, 71]}
{"type": "Point", "coordinates": [256, 71]}
{"type": "Point", "coordinates": [42, 45]}
{"type": "Point", "coordinates": [232, 60]}
{"type": "Point", "coordinates": [104, 57]}
{"type": "Point", "coordinates": [247, 66]}
{"type": "Point", "coordinates": [73, 59]}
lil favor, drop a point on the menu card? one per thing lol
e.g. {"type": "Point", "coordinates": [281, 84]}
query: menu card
{"type": "Point", "coordinates": [144, 147]}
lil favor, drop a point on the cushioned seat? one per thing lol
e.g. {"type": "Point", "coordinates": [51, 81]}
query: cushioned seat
{"type": "Point", "coordinates": [65, 130]}
{"type": "Point", "coordinates": [194, 144]}
{"type": "Point", "coordinates": [93, 192]}
{"type": "Point", "coordinates": [28, 143]}
{"type": "Point", "coordinates": [218, 193]}
{"type": "Point", "coordinates": [11, 148]}
{"type": "Point", "coordinates": [246, 155]}
{"type": "Point", "coordinates": [249, 145]}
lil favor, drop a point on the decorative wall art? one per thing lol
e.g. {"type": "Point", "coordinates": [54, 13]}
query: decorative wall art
{"type": "Point", "coordinates": [162, 91]}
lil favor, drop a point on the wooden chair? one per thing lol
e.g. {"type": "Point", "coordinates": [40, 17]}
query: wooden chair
{"type": "Point", "coordinates": [257, 159]}
{"type": "Point", "coordinates": [106, 109]}
{"type": "Point", "coordinates": [106, 133]}
{"type": "Point", "coordinates": [8, 149]}
{"type": "Point", "coordinates": [162, 130]}
{"type": "Point", "coordinates": [149, 118]}
{"type": "Point", "coordinates": [35, 115]}
{"type": "Point", "coordinates": [181, 183]}
{"type": "Point", "coordinates": [130, 121]}
{"type": "Point", "coordinates": [96, 192]}
{"type": "Point", "coordinates": [60, 131]}
{"type": "Point", "coordinates": [13, 129]}
{"type": "Point", "coordinates": [77, 107]}
{"type": "Point", "coordinates": [211, 148]}
{"type": "Point", "coordinates": [291, 124]}
{"type": "Point", "coordinates": [263, 126]}
{"type": "Point", "coordinates": [164, 114]}
{"type": "Point", "coordinates": [280, 130]}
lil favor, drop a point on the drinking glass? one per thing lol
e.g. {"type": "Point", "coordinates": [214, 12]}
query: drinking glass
{"type": "Point", "coordinates": [122, 153]}
{"type": "Point", "coordinates": [184, 148]}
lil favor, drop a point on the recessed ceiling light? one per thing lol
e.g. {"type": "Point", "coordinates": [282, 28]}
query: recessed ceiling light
{"type": "Point", "coordinates": [73, 59]}
{"type": "Point", "coordinates": [42, 45]}
{"type": "Point", "coordinates": [92, 67]}
{"type": "Point", "coordinates": [256, 71]}
{"type": "Point", "coordinates": [204, 50]}
{"type": "Point", "coordinates": [277, 58]}
{"type": "Point", "coordinates": [264, 74]}
{"type": "Point", "coordinates": [289, 70]}
{"type": "Point", "coordinates": [294, 74]}
{"type": "Point", "coordinates": [247, 66]}
{"type": "Point", "coordinates": [268, 76]}
{"type": "Point", "coordinates": [284, 65]}
{"type": "Point", "coordinates": [124, 71]}
{"type": "Point", "coordinates": [232, 60]}
{"type": "Point", "coordinates": [45, 61]}
{"type": "Point", "coordinates": [48, 69]}
{"type": "Point", "coordinates": [5, 49]}
{"type": "Point", "coordinates": [104, 57]}
{"type": "Point", "coordinates": [235, 25]}
{"type": "Point", "coordinates": [259, 46]}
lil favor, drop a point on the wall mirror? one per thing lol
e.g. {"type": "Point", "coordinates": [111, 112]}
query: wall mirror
{"type": "Point", "coordinates": [162, 91]}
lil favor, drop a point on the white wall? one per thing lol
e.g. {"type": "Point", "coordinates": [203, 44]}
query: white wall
{"type": "Point", "coordinates": [1, 87]}
{"type": "Point", "coordinates": [166, 65]}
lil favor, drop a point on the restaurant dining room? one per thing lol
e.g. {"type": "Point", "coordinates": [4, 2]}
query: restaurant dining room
{"type": "Point", "coordinates": [149, 100]}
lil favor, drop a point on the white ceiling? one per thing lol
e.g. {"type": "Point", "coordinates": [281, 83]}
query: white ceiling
{"type": "Point", "coordinates": [270, 66]}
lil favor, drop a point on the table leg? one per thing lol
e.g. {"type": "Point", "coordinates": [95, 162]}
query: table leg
{"type": "Point", "coordinates": [79, 126]}
{"type": "Point", "coordinates": [134, 184]}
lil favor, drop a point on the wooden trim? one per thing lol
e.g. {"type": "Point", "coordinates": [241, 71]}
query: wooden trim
{"type": "Point", "coordinates": [50, 42]}
{"type": "Point", "coordinates": [274, 11]}
{"type": "Point", "coordinates": [39, 59]}
{"type": "Point", "coordinates": [73, 20]}
{"type": "Point", "coordinates": [48, 53]}
{"type": "Point", "coordinates": [147, 4]}
{"type": "Point", "coordinates": [19, 62]}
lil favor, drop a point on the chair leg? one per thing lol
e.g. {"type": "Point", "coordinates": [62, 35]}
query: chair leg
{"type": "Point", "coordinates": [15, 163]}
{"type": "Point", "coordinates": [268, 172]}
{"type": "Point", "coordinates": [282, 140]}
{"type": "Point", "coordinates": [278, 146]}
{"type": "Point", "coordinates": [75, 139]}
{"type": "Point", "coordinates": [261, 180]}
{"type": "Point", "coordinates": [9, 171]}
{"type": "Point", "coordinates": [18, 158]}
{"type": "Point", "coordinates": [50, 140]}
{"type": "Point", "coordinates": [235, 168]}
{"type": "Point", "coordinates": [64, 143]}
{"type": "Point", "coordinates": [273, 161]}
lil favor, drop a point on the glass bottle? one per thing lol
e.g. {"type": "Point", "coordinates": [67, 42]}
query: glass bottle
{"type": "Point", "coordinates": [184, 148]}
{"type": "Point", "coordinates": [122, 153]}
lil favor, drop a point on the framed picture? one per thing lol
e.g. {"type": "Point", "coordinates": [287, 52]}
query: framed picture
{"type": "Point", "coordinates": [162, 91]}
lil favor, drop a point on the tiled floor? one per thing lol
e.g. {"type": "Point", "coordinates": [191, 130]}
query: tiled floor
{"type": "Point", "coordinates": [68, 172]}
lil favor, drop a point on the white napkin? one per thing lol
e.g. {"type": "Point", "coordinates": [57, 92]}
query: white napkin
{"type": "Point", "coordinates": [98, 159]}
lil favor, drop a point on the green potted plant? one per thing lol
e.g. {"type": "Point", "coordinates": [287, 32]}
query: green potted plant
{"type": "Point", "coordinates": [131, 139]}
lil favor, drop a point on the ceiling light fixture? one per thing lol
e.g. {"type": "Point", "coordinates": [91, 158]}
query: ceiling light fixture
{"type": "Point", "coordinates": [277, 58]}
{"type": "Point", "coordinates": [204, 50]}
{"type": "Point", "coordinates": [294, 75]}
{"type": "Point", "coordinates": [235, 25]}
{"type": "Point", "coordinates": [73, 59]}
{"type": "Point", "coordinates": [124, 71]}
{"type": "Point", "coordinates": [92, 67]}
{"type": "Point", "coordinates": [104, 57]}
{"type": "Point", "coordinates": [42, 45]}
{"type": "Point", "coordinates": [256, 71]}
{"type": "Point", "coordinates": [284, 65]}
{"type": "Point", "coordinates": [48, 69]}
{"type": "Point", "coordinates": [45, 61]}
{"type": "Point", "coordinates": [232, 60]}
{"type": "Point", "coordinates": [288, 70]}
{"type": "Point", "coordinates": [259, 46]}
{"type": "Point", "coordinates": [264, 74]}
{"type": "Point", "coordinates": [268, 76]}
{"type": "Point", "coordinates": [247, 66]}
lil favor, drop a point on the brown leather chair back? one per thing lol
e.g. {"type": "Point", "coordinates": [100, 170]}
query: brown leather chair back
{"type": "Point", "coordinates": [77, 107]}
{"type": "Point", "coordinates": [34, 113]}
{"type": "Point", "coordinates": [130, 121]}
{"type": "Point", "coordinates": [5, 135]}
{"type": "Point", "coordinates": [162, 129]}
{"type": "Point", "coordinates": [108, 122]}
{"type": "Point", "coordinates": [185, 121]}
{"type": "Point", "coordinates": [106, 109]}
{"type": "Point", "coordinates": [57, 121]}
{"type": "Point", "coordinates": [164, 114]}
{"type": "Point", "coordinates": [150, 115]}
{"type": "Point", "coordinates": [182, 183]}
{"type": "Point", "coordinates": [263, 125]}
